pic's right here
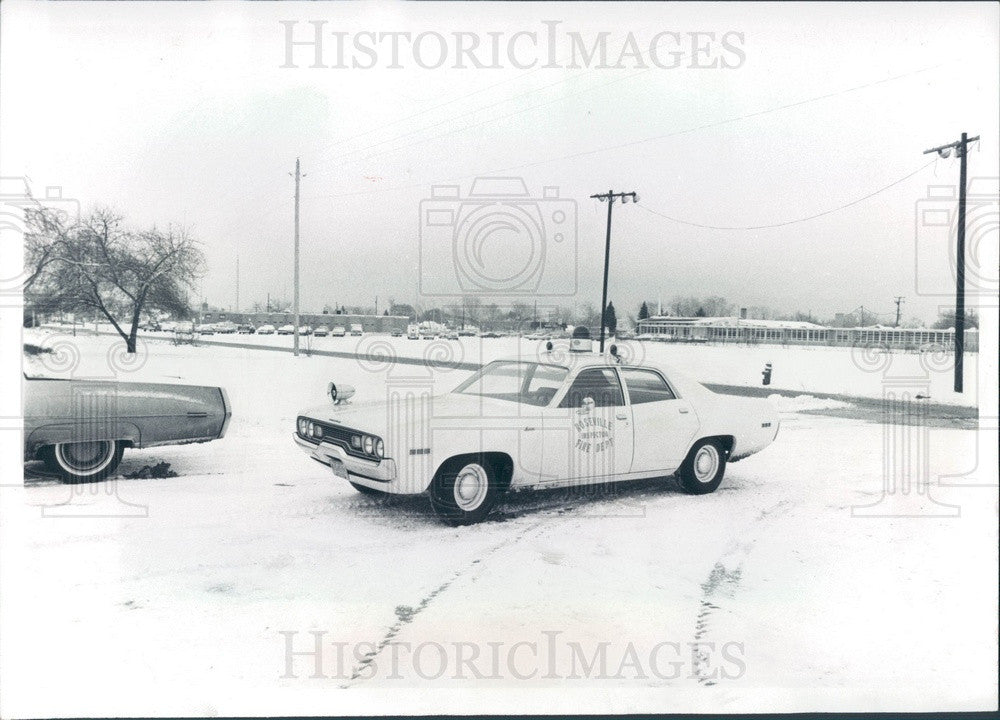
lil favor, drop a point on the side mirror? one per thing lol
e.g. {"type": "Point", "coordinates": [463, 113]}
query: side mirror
{"type": "Point", "coordinates": [586, 406]}
{"type": "Point", "coordinates": [340, 394]}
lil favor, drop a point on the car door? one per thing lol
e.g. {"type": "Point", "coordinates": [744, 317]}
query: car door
{"type": "Point", "coordinates": [663, 424]}
{"type": "Point", "coordinates": [588, 435]}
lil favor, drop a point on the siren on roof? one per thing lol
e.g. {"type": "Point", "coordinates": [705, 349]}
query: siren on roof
{"type": "Point", "coordinates": [580, 341]}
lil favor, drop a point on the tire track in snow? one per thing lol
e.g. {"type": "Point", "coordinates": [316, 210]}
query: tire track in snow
{"type": "Point", "coordinates": [405, 614]}
{"type": "Point", "coordinates": [722, 583]}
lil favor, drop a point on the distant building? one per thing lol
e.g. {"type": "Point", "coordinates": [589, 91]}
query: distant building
{"type": "Point", "coordinates": [668, 328]}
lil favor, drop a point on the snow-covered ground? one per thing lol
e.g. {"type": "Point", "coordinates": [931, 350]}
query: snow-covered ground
{"type": "Point", "coordinates": [811, 580]}
{"type": "Point", "coordinates": [861, 372]}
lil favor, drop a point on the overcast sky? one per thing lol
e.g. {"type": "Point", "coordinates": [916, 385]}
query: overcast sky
{"type": "Point", "coordinates": [182, 113]}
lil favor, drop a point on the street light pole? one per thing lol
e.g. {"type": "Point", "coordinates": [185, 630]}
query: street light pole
{"type": "Point", "coordinates": [609, 196]}
{"type": "Point", "coordinates": [961, 147]}
{"type": "Point", "coordinates": [295, 341]}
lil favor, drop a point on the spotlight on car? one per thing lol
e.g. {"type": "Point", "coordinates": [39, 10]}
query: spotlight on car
{"type": "Point", "coordinates": [340, 394]}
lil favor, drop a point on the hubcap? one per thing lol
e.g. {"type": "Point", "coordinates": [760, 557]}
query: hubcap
{"type": "Point", "coordinates": [471, 485]}
{"type": "Point", "coordinates": [85, 457]}
{"type": "Point", "coordinates": [706, 463]}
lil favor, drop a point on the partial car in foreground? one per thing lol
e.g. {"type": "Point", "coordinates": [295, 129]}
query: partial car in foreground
{"type": "Point", "coordinates": [567, 418]}
{"type": "Point", "coordinates": [80, 428]}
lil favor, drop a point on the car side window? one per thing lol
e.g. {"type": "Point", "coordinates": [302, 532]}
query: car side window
{"type": "Point", "coordinates": [601, 384]}
{"type": "Point", "coordinates": [646, 386]}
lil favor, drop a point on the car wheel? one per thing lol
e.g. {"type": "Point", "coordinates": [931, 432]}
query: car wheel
{"type": "Point", "coordinates": [702, 470]}
{"type": "Point", "coordinates": [85, 461]}
{"type": "Point", "coordinates": [465, 490]}
{"type": "Point", "coordinates": [365, 490]}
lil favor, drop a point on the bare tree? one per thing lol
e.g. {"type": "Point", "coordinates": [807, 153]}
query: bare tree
{"type": "Point", "coordinates": [101, 265]}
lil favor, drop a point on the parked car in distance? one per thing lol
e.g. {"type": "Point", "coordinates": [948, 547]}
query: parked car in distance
{"type": "Point", "coordinates": [265, 330]}
{"type": "Point", "coordinates": [305, 330]}
{"type": "Point", "coordinates": [168, 326]}
{"type": "Point", "coordinates": [206, 329]}
{"type": "Point", "coordinates": [286, 330]}
{"type": "Point", "coordinates": [413, 332]}
{"type": "Point", "coordinates": [396, 332]}
{"type": "Point", "coordinates": [225, 327]}
{"type": "Point", "coordinates": [80, 428]}
{"type": "Point", "coordinates": [338, 331]}
{"type": "Point", "coordinates": [451, 335]}
{"type": "Point", "coordinates": [244, 329]}
{"type": "Point", "coordinates": [184, 332]}
{"type": "Point", "coordinates": [581, 418]}
{"type": "Point", "coordinates": [357, 329]}
{"type": "Point", "coordinates": [321, 331]}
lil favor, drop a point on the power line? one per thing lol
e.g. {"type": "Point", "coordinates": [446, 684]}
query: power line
{"type": "Point", "coordinates": [676, 133]}
{"type": "Point", "coordinates": [790, 222]}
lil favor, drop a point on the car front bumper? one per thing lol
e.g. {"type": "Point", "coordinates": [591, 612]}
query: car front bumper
{"type": "Point", "coordinates": [364, 472]}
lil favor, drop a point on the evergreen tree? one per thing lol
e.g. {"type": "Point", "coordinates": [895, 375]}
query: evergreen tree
{"type": "Point", "coordinates": [610, 320]}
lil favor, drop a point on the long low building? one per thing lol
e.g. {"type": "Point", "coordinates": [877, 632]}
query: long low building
{"type": "Point", "coordinates": [670, 328]}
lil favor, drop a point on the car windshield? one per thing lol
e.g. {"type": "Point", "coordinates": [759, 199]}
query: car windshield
{"type": "Point", "coordinates": [523, 382]}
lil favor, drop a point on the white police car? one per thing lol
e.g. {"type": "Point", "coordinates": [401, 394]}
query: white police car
{"type": "Point", "coordinates": [561, 418]}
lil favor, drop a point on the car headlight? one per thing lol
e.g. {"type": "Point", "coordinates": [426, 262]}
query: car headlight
{"type": "Point", "coordinates": [356, 442]}
{"type": "Point", "coordinates": [317, 430]}
{"type": "Point", "coordinates": [302, 426]}
{"type": "Point", "coordinates": [369, 445]}
{"type": "Point", "coordinates": [379, 448]}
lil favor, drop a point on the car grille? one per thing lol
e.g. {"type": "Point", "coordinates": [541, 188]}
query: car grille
{"type": "Point", "coordinates": [339, 435]}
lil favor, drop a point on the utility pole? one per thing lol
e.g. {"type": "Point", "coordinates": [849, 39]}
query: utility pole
{"type": "Point", "coordinates": [961, 148]}
{"type": "Point", "coordinates": [609, 197]}
{"type": "Point", "coordinates": [899, 302]}
{"type": "Point", "coordinates": [237, 282]}
{"type": "Point", "coordinates": [295, 336]}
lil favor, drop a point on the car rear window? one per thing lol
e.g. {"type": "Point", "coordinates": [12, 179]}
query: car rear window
{"type": "Point", "coordinates": [646, 386]}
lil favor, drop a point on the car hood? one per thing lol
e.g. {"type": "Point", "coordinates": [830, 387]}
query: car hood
{"type": "Point", "coordinates": [375, 416]}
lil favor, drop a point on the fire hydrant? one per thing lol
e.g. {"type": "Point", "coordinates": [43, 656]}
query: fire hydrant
{"type": "Point", "coordinates": [767, 374]}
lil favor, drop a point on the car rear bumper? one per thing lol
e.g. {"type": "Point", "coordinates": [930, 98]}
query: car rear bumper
{"type": "Point", "coordinates": [363, 472]}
